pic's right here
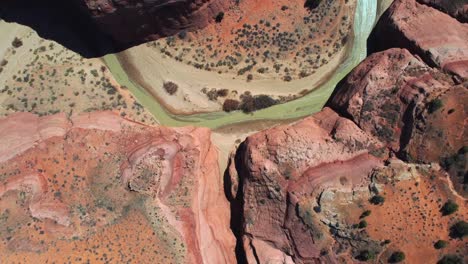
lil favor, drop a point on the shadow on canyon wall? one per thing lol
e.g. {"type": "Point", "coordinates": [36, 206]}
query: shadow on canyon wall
{"type": "Point", "coordinates": [60, 21]}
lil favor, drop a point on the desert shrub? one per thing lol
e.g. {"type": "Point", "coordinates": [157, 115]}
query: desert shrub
{"type": "Point", "coordinates": [249, 77]}
{"type": "Point", "coordinates": [450, 259]}
{"type": "Point", "coordinates": [182, 34]}
{"type": "Point", "coordinates": [449, 208]}
{"type": "Point", "coordinates": [365, 255]}
{"type": "Point", "coordinates": [362, 224]}
{"type": "Point", "coordinates": [377, 200]}
{"type": "Point", "coordinates": [365, 214]}
{"type": "Point", "coordinates": [17, 43]}
{"type": "Point", "coordinates": [459, 229]}
{"type": "Point", "coordinates": [250, 104]}
{"type": "Point", "coordinates": [396, 257]}
{"type": "Point", "coordinates": [440, 244]}
{"type": "Point", "coordinates": [435, 105]}
{"type": "Point", "coordinates": [170, 87]}
{"type": "Point", "coordinates": [230, 105]}
{"type": "Point", "coordinates": [219, 17]}
{"type": "Point", "coordinates": [312, 4]}
{"type": "Point", "coordinates": [222, 92]}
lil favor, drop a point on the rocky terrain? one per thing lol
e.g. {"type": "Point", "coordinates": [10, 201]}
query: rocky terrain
{"type": "Point", "coordinates": [371, 177]}
{"type": "Point", "coordinates": [379, 175]}
{"type": "Point", "coordinates": [99, 188]}
{"type": "Point", "coordinates": [417, 27]}
{"type": "Point", "coordinates": [139, 21]}
{"type": "Point", "coordinates": [457, 9]}
{"type": "Point", "coordinates": [362, 185]}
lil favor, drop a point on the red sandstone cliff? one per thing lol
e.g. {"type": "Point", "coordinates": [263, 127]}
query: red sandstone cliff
{"type": "Point", "coordinates": [139, 21]}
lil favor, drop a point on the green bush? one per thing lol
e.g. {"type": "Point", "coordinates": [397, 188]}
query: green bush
{"type": "Point", "coordinates": [435, 105]}
{"type": "Point", "coordinates": [219, 17]}
{"type": "Point", "coordinates": [449, 208]}
{"type": "Point", "coordinates": [440, 244]}
{"type": "Point", "coordinates": [459, 229]}
{"type": "Point", "coordinates": [365, 255]}
{"type": "Point", "coordinates": [397, 257]}
{"type": "Point", "coordinates": [230, 105]}
{"type": "Point", "coordinates": [365, 214]}
{"type": "Point", "coordinates": [170, 87]}
{"type": "Point", "coordinates": [250, 104]}
{"type": "Point", "coordinates": [377, 200]}
{"type": "Point", "coordinates": [450, 259]}
{"type": "Point", "coordinates": [362, 224]}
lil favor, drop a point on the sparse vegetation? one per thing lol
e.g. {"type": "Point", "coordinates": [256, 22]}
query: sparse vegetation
{"type": "Point", "coordinates": [435, 105]}
{"type": "Point", "coordinates": [440, 244]}
{"type": "Point", "coordinates": [253, 103]}
{"type": "Point", "coordinates": [219, 17]}
{"type": "Point", "coordinates": [17, 43]}
{"type": "Point", "coordinates": [170, 87]}
{"type": "Point", "coordinates": [449, 208]}
{"type": "Point", "coordinates": [377, 200]}
{"type": "Point", "coordinates": [365, 255]}
{"type": "Point", "coordinates": [362, 224]}
{"type": "Point", "coordinates": [230, 105]}
{"type": "Point", "coordinates": [365, 214]}
{"type": "Point", "coordinates": [396, 257]}
{"type": "Point", "coordinates": [450, 259]}
{"type": "Point", "coordinates": [459, 229]}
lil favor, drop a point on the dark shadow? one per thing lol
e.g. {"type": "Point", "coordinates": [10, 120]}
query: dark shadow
{"type": "Point", "coordinates": [237, 204]}
{"type": "Point", "coordinates": [60, 21]}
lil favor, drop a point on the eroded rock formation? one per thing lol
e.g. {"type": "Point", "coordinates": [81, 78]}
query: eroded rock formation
{"type": "Point", "coordinates": [309, 190]}
{"type": "Point", "coordinates": [129, 191]}
{"type": "Point", "coordinates": [439, 39]}
{"type": "Point", "coordinates": [139, 21]}
{"type": "Point", "coordinates": [457, 9]}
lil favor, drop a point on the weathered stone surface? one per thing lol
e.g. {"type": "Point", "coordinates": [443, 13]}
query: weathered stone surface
{"type": "Point", "coordinates": [436, 37]}
{"type": "Point", "coordinates": [304, 187]}
{"type": "Point", "coordinates": [455, 8]}
{"type": "Point", "coordinates": [418, 111]}
{"type": "Point", "coordinates": [139, 193]}
{"type": "Point", "coordinates": [290, 171]}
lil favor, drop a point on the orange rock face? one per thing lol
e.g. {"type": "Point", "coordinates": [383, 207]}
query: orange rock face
{"type": "Point", "coordinates": [139, 21]}
{"type": "Point", "coordinates": [436, 37]}
{"type": "Point", "coordinates": [100, 188]}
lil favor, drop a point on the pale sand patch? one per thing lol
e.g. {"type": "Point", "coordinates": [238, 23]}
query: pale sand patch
{"type": "Point", "coordinates": [149, 68]}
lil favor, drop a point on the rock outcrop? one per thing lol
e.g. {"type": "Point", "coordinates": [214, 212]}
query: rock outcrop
{"type": "Point", "coordinates": [439, 39]}
{"type": "Point", "coordinates": [418, 111]}
{"type": "Point", "coordinates": [295, 179]}
{"type": "Point", "coordinates": [305, 188]}
{"type": "Point", "coordinates": [140, 21]}
{"type": "Point", "coordinates": [100, 187]}
{"type": "Point", "coordinates": [457, 9]}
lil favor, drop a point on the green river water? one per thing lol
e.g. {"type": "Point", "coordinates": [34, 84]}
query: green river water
{"type": "Point", "coordinates": [365, 16]}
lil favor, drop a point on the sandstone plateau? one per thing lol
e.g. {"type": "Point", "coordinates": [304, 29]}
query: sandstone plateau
{"type": "Point", "coordinates": [139, 21]}
{"type": "Point", "coordinates": [100, 188]}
